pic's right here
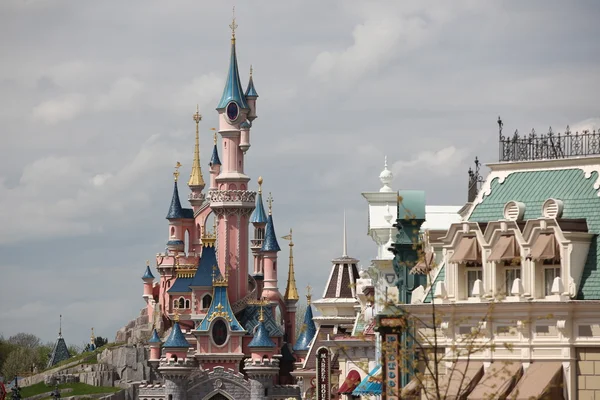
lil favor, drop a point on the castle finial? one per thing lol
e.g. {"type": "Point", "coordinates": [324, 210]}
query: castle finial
{"type": "Point", "coordinates": [176, 314]}
{"type": "Point", "coordinates": [176, 173]}
{"type": "Point", "coordinates": [60, 325]}
{"type": "Point", "coordinates": [233, 26]}
{"type": "Point", "coordinates": [345, 243]}
{"type": "Point", "coordinates": [93, 337]}
{"type": "Point", "coordinates": [270, 202]}
{"type": "Point", "coordinates": [291, 292]}
{"type": "Point", "coordinates": [196, 178]}
{"type": "Point", "coordinates": [308, 294]}
{"type": "Point", "coordinates": [261, 316]}
{"type": "Point", "coordinates": [250, 70]}
{"type": "Point", "coordinates": [260, 181]}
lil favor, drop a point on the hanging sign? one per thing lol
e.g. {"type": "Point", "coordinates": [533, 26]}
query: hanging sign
{"type": "Point", "coordinates": [323, 374]}
{"type": "Point", "coordinates": [390, 367]}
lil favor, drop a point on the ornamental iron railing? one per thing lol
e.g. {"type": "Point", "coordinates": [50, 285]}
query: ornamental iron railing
{"type": "Point", "coordinates": [549, 145]}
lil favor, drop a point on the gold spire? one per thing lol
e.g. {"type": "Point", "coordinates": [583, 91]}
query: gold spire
{"type": "Point", "coordinates": [291, 292]}
{"type": "Point", "coordinates": [92, 338]}
{"type": "Point", "coordinates": [176, 173]}
{"type": "Point", "coordinates": [270, 202]}
{"type": "Point", "coordinates": [196, 178]}
{"type": "Point", "coordinates": [308, 295]}
{"type": "Point", "coordinates": [261, 316]}
{"type": "Point", "coordinates": [176, 316]}
{"type": "Point", "coordinates": [260, 181]}
{"type": "Point", "coordinates": [214, 135]}
{"type": "Point", "coordinates": [233, 26]}
{"type": "Point", "coordinates": [250, 70]}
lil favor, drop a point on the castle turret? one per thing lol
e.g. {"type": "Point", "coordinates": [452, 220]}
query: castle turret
{"type": "Point", "coordinates": [148, 279]}
{"type": "Point", "coordinates": [215, 165]}
{"type": "Point", "coordinates": [175, 366]}
{"type": "Point", "coordinates": [263, 366]}
{"type": "Point", "coordinates": [155, 345]}
{"type": "Point", "coordinates": [307, 332]}
{"type": "Point", "coordinates": [251, 97]}
{"type": "Point", "coordinates": [259, 221]}
{"type": "Point", "coordinates": [291, 295]}
{"type": "Point", "coordinates": [269, 250]}
{"type": "Point", "coordinates": [196, 182]}
{"type": "Point", "coordinates": [175, 216]}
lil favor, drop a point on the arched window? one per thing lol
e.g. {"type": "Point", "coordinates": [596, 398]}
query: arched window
{"type": "Point", "coordinates": [175, 304]}
{"type": "Point", "coordinates": [188, 241]}
{"type": "Point", "coordinates": [175, 357]}
{"type": "Point", "coordinates": [187, 304]}
{"type": "Point", "coordinates": [181, 302]}
{"type": "Point", "coordinates": [206, 300]}
{"type": "Point", "coordinates": [172, 231]}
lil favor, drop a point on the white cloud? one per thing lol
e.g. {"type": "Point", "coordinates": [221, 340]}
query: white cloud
{"type": "Point", "coordinates": [589, 124]}
{"type": "Point", "coordinates": [444, 162]}
{"type": "Point", "coordinates": [63, 108]}
{"type": "Point", "coordinates": [121, 95]}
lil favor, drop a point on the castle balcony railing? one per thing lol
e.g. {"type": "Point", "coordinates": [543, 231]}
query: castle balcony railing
{"type": "Point", "coordinates": [549, 145]}
{"type": "Point", "coordinates": [231, 198]}
{"type": "Point", "coordinates": [196, 196]}
{"type": "Point", "coordinates": [256, 243]}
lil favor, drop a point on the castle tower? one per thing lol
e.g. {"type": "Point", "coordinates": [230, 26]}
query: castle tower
{"type": "Point", "coordinates": [60, 352]}
{"type": "Point", "coordinates": [196, 182]}
{"type": "Point", "coordinates": [230, 200]}
{"type": "Point", "coordinates": [251, 97]}
{"type": "Point", "coordinates": [180, 219]}
{"type": "Point", "coordinates": [259, 221]}
{"type": "Point", "coordinates": [291, 295]}
{"type": "Point", "coordinates": [148, 279]}
{"type": "Point", "coordinates": [215, 165]}
{"type": "Point", "coordinates": [263, 365]}
{"type": "Point", "coordinates": [155, 345]}
{"type": "Point", "coordinates": [307, 333]}
{"type": "Point", "coordinates": [269, 250]}
{"type": "Point", "coordinates": [175, 366]}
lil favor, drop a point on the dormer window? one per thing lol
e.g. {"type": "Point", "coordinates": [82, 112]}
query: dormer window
{"type": "Point", "coordinates": [467, 256]}
{"type": "Point", "coordinates": [545, 255]}
{"type": "Point", "coordinates": [507, 258]}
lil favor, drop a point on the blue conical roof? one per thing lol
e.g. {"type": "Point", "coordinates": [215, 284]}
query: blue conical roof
{"type": "Point", "coordinates": [270, 242]}
{"type": "Point", "coordinates": [154, 338]}
{"type": "Point", "coordinates": [175, 209]}
{"type": "Point", "coordinates": [250, 90]}
{"type": "Point", "coordinates": [259, 216]}
{"type": "Point", "coordinates": [233, 88]}
{"type": "Point", "coordinates": [148, 273]}
{"type": "Point", "coordinates": [261, 338]}
{"type": "Point", "coordinates": [176, 339]}
{"type": "Point", "coordinates": [214, 160]}
{"type": "Point", "coordinates": [203, 275]}
{"type": "Point", "coordinates": [307, 333]}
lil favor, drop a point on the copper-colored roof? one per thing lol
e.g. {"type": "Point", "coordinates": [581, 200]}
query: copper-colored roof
{"type": "Point", "coordinates": [498, 381]}
{"type": "Point", "coordinates": [346, 270]}
{"type": "Point", "coordinates": [425, 265]}
{"type": "Point", "coordinates": [467, 251]}
{"type": "Point", "coordinates": [545, 248]}
{"type": "Point", "coordinates": [505, 249]}
{"type": "Point", "coordinates": [541, 380]}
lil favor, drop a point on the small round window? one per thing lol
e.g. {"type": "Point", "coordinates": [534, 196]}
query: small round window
{"type": "Point", "coordinates": [219, 332]}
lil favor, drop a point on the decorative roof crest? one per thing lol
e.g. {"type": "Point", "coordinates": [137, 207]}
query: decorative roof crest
{"type": "Point", "coordinates": [176, 173]}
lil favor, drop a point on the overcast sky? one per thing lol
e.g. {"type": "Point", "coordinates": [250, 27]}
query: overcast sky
{"type": "Point", "coordinates": [96, 104]}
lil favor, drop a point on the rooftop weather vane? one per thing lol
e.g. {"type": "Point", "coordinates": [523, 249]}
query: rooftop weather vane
{"type": "Point", "coordinates": [233, 25]}
{"type": "Point", "coordinates": [197, 117]}
{"type": "Point", "coordinates": [176, 173]}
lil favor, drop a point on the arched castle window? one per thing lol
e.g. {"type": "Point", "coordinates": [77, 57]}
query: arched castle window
{"type": "Point", "coordinates": [188, 241]}
{"type": "Point", "coordinates": [181, 302]}
{"type": "Point", "coordinates": [206, 300]}
{"type": "Point", "coordinates": [172, 231]}
{"type": "Point", "coordinates": [187, 304]}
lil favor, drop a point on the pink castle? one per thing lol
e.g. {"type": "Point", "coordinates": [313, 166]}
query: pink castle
{"type": "Point", "coordinates": [230, 329]}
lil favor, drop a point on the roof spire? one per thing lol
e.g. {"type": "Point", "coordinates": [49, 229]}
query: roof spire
{"type": "Point", "coordinates": [261, 316]}
{"type": "Point", "coordinates": [260, 181]}
{"type": "Point", "coordinates": [176, 173]}
{"type": "Point", "coordinates": [258, 215]}
{"type": "Point", "coordinates": [196, 178]}
{"type": "Point", "coordinates": [345, 244]}
{"type": "Point", "coordinates": [291, 292]}
{"type": "Point", "coordinates": [308, 294]}
{"type": "Point", "coordinates": [233, 26]}
{"type": "Point", "coordinates": [60, 325]}
{"type": "Point", "coordinates": [93, 338]}
{"type": "Point", "coordinates": [214, 159]}
{"type": "Point", "coordinates": [270, 202]}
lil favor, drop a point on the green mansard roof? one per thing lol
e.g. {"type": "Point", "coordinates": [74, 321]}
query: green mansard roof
{"type": "Point", "coordinates": [533, 188]}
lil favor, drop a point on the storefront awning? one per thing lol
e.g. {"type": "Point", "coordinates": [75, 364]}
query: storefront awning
{"type": "Point", "coordinates": [505, 249]}
{"type": "Point", "coordinates": [467, 251]}
{"type": "Point", "coordinates": [461, 378]}
{"type": "Point", "coordinates": [425, 265]}
{"type": "Point", "coordinates": [545, 248]}
{"type": "Point", "coordinates": [498, 381]}
{"type": "Point", "coordinates": [350, 383]}
{"type": "Point", "coordinates": [543, 379]}
{"type": "Point", "coordinates": [371, 384]}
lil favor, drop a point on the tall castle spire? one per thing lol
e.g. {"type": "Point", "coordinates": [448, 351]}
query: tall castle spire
{"type": "Point", "coordinates": [291, 292]}
{"type": "Point", "coordinates": [233, 87]}
{"type": "Point", "coordinates": [196, 180]}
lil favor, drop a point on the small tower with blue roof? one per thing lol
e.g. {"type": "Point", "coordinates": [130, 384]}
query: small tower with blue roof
{"type": "Point", "coordinates": [215, 164]}
{"type": "Point", "coordinates": [155, 344]}
{"type": "Point", "coordinates": [177, 215]}
{"type": "Point", "coordinates": [148, 279]}
{"type": "Point", "coordinates": [263, 365]}
{"type": "Point", "coordinates": [269, 250]}
{"type": "Point", "coordinates": [259, 221]}
{"type": "Point", "coordinates": [175, 366]}
{"type": "Point", "coordinates": [307, 332]}
{"type": "Point", "coordinates": [251, 96]}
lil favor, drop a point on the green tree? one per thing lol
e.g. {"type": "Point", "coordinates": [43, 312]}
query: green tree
{"type": "Point", "coordinates": [19, 361]}
{"type": "Point", "coordinates": [23, 339]}
{"type": "Point", "coordinates": [5, 349]}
